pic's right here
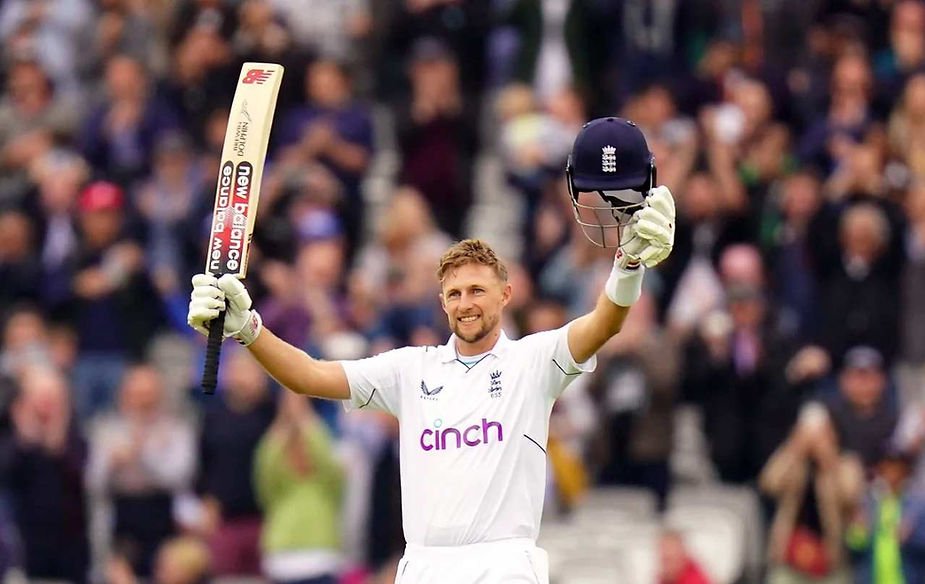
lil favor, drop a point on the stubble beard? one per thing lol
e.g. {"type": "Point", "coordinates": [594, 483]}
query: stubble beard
{"type": "Point", "coordinates": [476, 336]}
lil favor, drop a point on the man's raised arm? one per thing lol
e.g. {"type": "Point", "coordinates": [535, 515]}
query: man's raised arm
{"type": "Point", "coordinates": [644, 243]}
{"type": "Point", "coordinates": [290, 366]}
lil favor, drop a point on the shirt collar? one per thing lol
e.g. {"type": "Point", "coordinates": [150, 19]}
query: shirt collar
{"type": "Point", "coordinates": [448, 354]}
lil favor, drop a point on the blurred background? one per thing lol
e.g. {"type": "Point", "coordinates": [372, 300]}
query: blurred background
{"type": "Point", "coordinates": [760, 418]}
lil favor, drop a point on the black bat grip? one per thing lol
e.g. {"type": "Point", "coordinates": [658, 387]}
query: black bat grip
{"type": "Point", "coordinates": [213, 352]}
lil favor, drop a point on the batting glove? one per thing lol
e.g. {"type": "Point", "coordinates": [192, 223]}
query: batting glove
{"type": "Point", "coordinates": [211, 295]}
{"type": "Point", "coordinates": [649, 238]}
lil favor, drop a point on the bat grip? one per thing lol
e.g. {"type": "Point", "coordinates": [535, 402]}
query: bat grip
{"type": "Point", "coordinates": [213, 352]}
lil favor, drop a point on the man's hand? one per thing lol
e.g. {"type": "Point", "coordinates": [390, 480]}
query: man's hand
{"type": "Point", "coordinates": [649, 237]}
{"type": "Point", "coordinates": [210, 295]}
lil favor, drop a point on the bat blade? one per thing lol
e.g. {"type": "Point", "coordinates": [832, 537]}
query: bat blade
{"type": "Point", "coordinates": [238, 188]}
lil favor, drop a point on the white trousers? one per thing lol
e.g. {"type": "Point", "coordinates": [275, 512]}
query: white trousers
{"type": "Point", "coordinates": [508, 561]}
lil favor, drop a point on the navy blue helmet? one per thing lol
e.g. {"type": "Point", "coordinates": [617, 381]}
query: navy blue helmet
{"type": "Point", "coordinates": [609, 173]}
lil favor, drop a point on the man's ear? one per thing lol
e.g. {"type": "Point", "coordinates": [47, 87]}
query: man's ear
{"type": "Point", "coordinates": [442, 302]}
{"type": "Point", "coordinates": [506, 293]}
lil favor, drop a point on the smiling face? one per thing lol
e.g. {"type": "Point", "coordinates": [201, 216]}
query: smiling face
{"type": "Point", "coordinates": [473, 298]}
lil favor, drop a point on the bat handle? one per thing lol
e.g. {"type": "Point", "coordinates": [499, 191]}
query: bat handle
{"type": "Point", "coordinates": [213, 352]}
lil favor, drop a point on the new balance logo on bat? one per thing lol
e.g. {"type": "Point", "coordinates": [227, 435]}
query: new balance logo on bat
{"type": "Point", "coordinates": [258, 76]}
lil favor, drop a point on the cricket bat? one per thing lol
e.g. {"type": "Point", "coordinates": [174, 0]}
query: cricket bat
{"type": "Point", "coordinates": [238, 188]}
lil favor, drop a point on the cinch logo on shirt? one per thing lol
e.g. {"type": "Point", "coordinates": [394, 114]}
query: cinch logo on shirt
{"type": "Point", "coordinates": [471, 436]}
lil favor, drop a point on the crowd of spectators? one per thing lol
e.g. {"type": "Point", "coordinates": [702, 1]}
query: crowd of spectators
{"type": "Point", "coordinates": [790, 317]}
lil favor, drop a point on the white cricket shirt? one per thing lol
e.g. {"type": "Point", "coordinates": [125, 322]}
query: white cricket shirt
{"type": "Point", "coordinates": [472, 438]}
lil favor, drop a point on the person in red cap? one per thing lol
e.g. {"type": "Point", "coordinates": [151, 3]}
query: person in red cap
{"type": "Point", "coordinates": [99, 289]}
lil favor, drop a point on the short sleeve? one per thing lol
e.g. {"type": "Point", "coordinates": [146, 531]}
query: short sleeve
{"type": "Point", "coordinates": [375, 381]}
{"type": "Point", "coordinates": [556, 361]}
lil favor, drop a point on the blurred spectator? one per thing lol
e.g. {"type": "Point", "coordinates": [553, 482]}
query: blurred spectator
{"type": "Point", "coordinates": [59, 176]}
{"type": "Point", "coordinates": [303, 203]}
{"type": "Point", "coordinates": [331, 28]}
{"type": "Point", "coordinates": [33, 116]}
{"type": "Point", "coordinates": [692, 285]}
{"type": "Point", "coordinates": [51, 31]}
{"type": "Point", "coordinates": [141, 456]}
{"type": "Point", "coordinates": [675, 564]}
{"type": "Point", "coordinates": [359, 442]}
{"type": "Point", "coordinates": [120, 133]}
{"type": "Point", "coordinates": [552, 46]}
{"type": "Point", "coordinates": [635, 387]}
{"type": "Point", "coordinates": [25, 342]}
{"type": "Point", "coordinates": [887, 534]}
{"type": "Point", "coordinates": [828, 140]}
{"type": "Point", "coordinates": [859, 173]}
{"type": "Point", "coordinates": [717, 64]}
{"type": "Point", "coordinates": [231, 428]}
{"type": "Point", "coordinates": [10, 545]}
{"type": "Point", "coordinates": [126, 27]}
{"type": "Point", "coordinates": [533, 145]}
{"type": "Point", "coordinates": [299, 484]}
{"type": "Point", "coordinates": [792, 262]}
{"type": "Point", "coordinates": [734, 368]}
{"type": "Point", "coordinates": [460, 25]}
{"type": "Point", "coordinates": [320, 275]}
{"type": "Point", "coordinates": [552, 227]}
{"type": "Point", "coordinates": [286, 307]}
{"type": "Point", "coordinates": [217, 16]}
{"type": "Point", "coordinates": [816, 490]}
{"type": "Point", "coordinates": [180, 560]}
{"type": "Point", "coordinates": [906, 129]}
{"type": "Point", "coordinates": [653, 39]}
{"type": "Point", "coordinates": [672, 136]}
{"type": "Point", "coordinates": [332, 128]}
{"type": "Point", "coordinates": [851, 312]}
{"type": "Point", "coordinates": [394, 273]}
{"type": "Point", "coordinates": [741, 265]}
{"type": "Point", "coordinates": [202, 78]}
{"type": "Point", "coordinates": [103, 281]}
{"type": "Point", "coordinates": [862, 414]}
{"type": "Point", "coordinates": [438, 135]}
{"type": "Point", "coordinates": [167, 204]}
{"type": "Point", "coordinates": [385, 539]}
{"type": "Point", "coordinates": [746, 148]}
{"type": "Point", "coordinates": [913, 281]}
{"type": "Point", "coordinates": [20, 270]}
{"type": "Point", "coordinates": [262, 36]}
{"type": "Point", "coordinates": [45, 473]}
{"type": "Point", "coordinates": [573, 273]}
{"type": "Point", "coordinates": [905, 56]}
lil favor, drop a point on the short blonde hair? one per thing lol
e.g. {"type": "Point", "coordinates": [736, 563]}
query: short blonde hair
{"type": "Point", "coordinates": [470, 251]}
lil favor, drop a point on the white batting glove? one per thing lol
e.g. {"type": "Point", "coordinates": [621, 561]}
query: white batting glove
{"type": "Point", "coordinates": [649, 238]}
{"type": "Point", "coordinates": [210, 295]}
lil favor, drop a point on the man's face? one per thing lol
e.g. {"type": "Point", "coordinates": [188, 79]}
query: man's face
{"type": "Point", "coordinates": [863, 386]}
{"type": "Point", "coordinates": [473, 297]}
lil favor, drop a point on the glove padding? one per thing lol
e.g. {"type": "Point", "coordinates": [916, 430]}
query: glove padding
{"type": "Point", "coordinates": [649, 237]}
{"type": "Point", "coordinates": [211, 295]}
